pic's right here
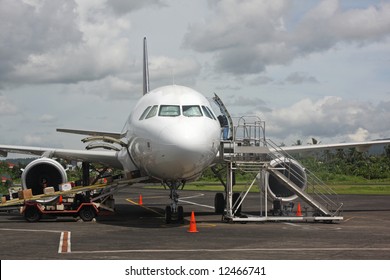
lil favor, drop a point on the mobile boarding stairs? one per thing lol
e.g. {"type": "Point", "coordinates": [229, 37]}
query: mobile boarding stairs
{"type": "Point", "coordinates": [250, 152]}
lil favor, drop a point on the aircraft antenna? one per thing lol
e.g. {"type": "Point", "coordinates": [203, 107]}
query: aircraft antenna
{"type": "Point", "coordinates": [145, 69]}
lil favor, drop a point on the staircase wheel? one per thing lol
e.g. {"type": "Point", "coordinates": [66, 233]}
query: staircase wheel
{"type": "Point", "coordinates": [219, 203]}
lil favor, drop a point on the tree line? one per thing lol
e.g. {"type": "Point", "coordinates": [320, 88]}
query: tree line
{"type": "Point", "coordinates": [339, 165]}
{"type": "Point", "coordinates": [329, 165]}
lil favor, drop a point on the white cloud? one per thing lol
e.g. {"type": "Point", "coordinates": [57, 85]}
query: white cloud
{"type": "Point", "coordinates": [245, 101]}
{"type": "Point", "coordinates": [33, 140]}
{"type": "Point", "coordinates": [108, 88]}
{"type": "Point", "coordinates": [46, 118]}
{"type": "Point", "coordinates": [6, 106]}
{"type": "Point", "coordinates": [329, 117]}
{"type": "Point", "coordinates": [300, 78]}
{"type": "Point", "coordinates": [91, 46]}
{"type": "Point", "coordinates": [71, 65]}
{"type": "Point", "coordinates": [277, 57]}
{"type": "Point", "coordinates": [248, 36]}
{"type": "Point", "coordinates": [60, 42]}
{"type": "Point", "coordinates": [169, 70]}
{"type": "Point", "coordinates": [124, 6]}
{"type": "Point", "coordinates": [98, 50]}
{"type": "Point", "coordinates": [361, 134]}
{"type": "Point", "coordinates": [29, 29]}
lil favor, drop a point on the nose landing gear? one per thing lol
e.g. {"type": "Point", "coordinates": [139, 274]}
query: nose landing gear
{"type": "Point", "coordinates": [174, 212]}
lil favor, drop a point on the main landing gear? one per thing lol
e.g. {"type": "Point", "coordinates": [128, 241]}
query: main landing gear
{"type": "Point", "coordinates": [174, 212]}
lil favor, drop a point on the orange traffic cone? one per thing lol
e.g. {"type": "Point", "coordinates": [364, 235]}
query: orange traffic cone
{"type": "Point", "coordinates": [140, 200]}
{"type": "Point", "coordinates": [192, 224]}
{"type": "Point", "coordinates": [299, 212]}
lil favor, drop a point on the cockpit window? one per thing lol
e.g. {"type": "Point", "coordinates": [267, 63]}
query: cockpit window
{"type": "Point", "coordinates": [192, 111]}
{"type": "Point", "coordinates": [152, 112]}
{"type": "Point", "coordinates": [144, 113]}
{"type": "Point", "coordinates": [208, 112]}
{"type": "Point", "coordinates": [169, 111]}
{"type": "Point", "coordinates": [212, 113]}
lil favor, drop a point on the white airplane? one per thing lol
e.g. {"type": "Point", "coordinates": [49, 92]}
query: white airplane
{"type": "Point", "coordinates": [171, 136]}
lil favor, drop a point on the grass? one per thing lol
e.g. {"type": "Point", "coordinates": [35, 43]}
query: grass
{"type": "Point", "coordinates": [368, 188]}
{"type": "Point", "coordinates": [354, 186]}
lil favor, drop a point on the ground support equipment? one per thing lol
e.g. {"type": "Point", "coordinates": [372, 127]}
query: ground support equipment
{"type": "Point", "coordinates": [84, 202]}
{"type": "Point", "coordinates": [250, 152]}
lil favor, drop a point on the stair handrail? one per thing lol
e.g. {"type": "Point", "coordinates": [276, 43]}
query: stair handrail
{"type": "Point", "coordinates": [316, 185]}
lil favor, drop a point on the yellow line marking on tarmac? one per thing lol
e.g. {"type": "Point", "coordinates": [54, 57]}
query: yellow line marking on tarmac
{"type": "Point", "coordinates": [154, 197]}
{"type": "Point", "coordinates": [205, 225]}
{"type": "Point", "coordinates": [349, 219]}
{"type": "Point", "coordinates": [200, 224]}
{"type": "Point", "coordinates": [147, 208]}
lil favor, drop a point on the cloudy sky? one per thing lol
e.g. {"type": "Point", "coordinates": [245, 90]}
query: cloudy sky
{"type": "Point", "coordinates": [308, 68]}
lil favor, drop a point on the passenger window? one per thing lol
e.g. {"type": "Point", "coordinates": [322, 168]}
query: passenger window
{"type": "Point", "coordinates": [206, 112]}
{"type": "Point", "coordinates": [144, 113]}
{"type": "Point", "coordinates": [152, 112]}
{"type": "Point", "coordinates": [192, 111]}
{"type": "Point", "coordinates": [169, 111]}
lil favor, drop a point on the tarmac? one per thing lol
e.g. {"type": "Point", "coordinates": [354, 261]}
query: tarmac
{"type": "Point", "coordinates": [139, 232]}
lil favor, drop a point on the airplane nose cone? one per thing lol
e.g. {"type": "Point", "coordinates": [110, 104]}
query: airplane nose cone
{"type": "Point", "coordinates": [187, 151]}
{"type": "Point", "coordinates": [188, 139]}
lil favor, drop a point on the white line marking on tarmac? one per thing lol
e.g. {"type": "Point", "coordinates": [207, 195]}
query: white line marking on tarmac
{"type": "Point", "coordinates": [291, 224]}
{"type": "Point", "coordinates": [231, 250]}
{"type": "Point", "coordinates": [181, 200]}
{"type": "Point", "coordinates": [194, 196]}
{"type": "Point", "coordinates": [197, 204]}
{"type": "Point", "coordinates": [31, 230]}
{"type": "Point", "coordinates": [193, 203]}
{"type": "Point", "coordinates": [65, 243]}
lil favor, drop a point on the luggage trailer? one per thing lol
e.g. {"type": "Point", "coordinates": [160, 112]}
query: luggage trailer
{"type": "Point", "coordinates": [77, 202]}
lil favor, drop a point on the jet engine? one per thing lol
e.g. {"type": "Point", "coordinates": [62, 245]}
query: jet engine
{"type": "Point", "coordinates": [43, 172]}
{"type": "Point", "coordinates": [292, 170]}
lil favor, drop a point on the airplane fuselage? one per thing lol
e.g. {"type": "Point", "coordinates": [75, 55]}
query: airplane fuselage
{"type": "Point", "coordinates": [172, 134]}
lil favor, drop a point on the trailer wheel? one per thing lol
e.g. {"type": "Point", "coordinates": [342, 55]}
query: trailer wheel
{"type": "Point", "coordinates": [87, 213]}
{"type": "Point", "coordinates": [32, 214]}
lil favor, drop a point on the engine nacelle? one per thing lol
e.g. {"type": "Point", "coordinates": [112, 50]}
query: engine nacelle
{"type": "Point", "coordinates": [40, 170]}
{"type": "Point", "coordinates": [292, 170]}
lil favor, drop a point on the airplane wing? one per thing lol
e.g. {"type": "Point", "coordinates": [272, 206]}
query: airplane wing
{"type": "Point", "coordinates": [108, 158]}
{"type": "Point", "coordinates": [273, 148]}
{"type": "Point", "coordinates": [91, 132]}
{"type": "Point", "coordinates": [360, 146]}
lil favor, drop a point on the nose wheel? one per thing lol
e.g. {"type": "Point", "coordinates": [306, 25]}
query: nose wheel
{"type": "Point", "coordinates": [174, 212]}
{"type": "Point", "coordinates": [171, 216]}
